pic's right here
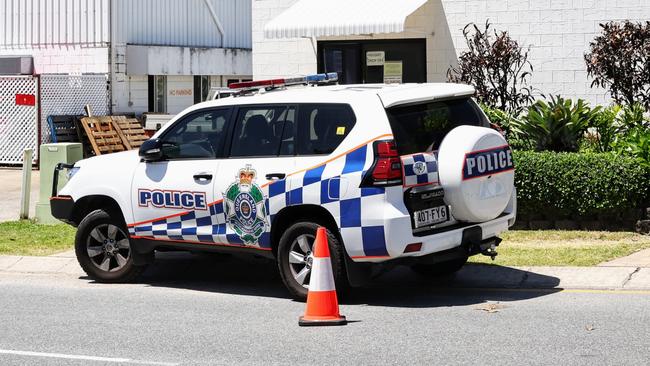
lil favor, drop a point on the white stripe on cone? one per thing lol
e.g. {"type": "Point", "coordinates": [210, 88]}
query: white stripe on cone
{"type": "Point", "coordinates": [322, 278]}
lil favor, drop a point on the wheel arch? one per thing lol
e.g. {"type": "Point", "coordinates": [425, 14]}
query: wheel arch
{"type": "Point", "coordinates": [87, 204]}
{"type": "Point", "coordinates": [292, 214]}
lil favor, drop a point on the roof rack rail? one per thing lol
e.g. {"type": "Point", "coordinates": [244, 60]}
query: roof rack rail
{"type": "Point", "coordinates": [270, 84]}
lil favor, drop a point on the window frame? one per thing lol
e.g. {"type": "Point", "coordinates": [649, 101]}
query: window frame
{"type": "Point", "coordinates": [227, 130]}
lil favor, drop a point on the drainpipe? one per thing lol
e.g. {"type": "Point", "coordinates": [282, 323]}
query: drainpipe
{"type": "Point", "coordinates": [216, 20]}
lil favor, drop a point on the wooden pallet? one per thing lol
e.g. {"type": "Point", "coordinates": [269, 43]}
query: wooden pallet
{"type": "Point", "coordinates": [130, 131]}
{"type": "Point", "coordinates": [102, 135]}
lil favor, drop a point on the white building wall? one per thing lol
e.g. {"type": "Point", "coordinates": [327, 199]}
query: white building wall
{"type": "Point", "coordinates": [558, 32]}
{"type": "Point", "coordinates": [290, 57]}
{"type": "Point", "coordinates": [65, 59]}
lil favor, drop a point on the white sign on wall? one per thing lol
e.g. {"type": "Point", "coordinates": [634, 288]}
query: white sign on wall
{"type": "Point", "coordinates": [393, 72]}
{"type": "Point", "coordinates": [375, 58]}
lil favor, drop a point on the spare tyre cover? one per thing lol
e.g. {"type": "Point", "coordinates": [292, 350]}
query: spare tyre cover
{"type": "Point", "coordinates": [476, 171]}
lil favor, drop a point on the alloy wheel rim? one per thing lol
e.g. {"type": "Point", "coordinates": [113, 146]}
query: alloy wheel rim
{"type": "Point", "coordinates": [108, 247]}
{"type": "Point", "coordinates": [301, 258]}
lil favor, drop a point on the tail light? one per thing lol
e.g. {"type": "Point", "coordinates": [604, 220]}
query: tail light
{"type": "Point", "coordinates": [387, 167]}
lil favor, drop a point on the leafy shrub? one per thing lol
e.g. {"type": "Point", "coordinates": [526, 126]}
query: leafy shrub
{"type": "Point", "coordinates": [604, 129]}
{"type": "Point", "coordinates": [632, 116]}
{"type": "Point", "coordinates": [636, 144]}
{"type": "Point", "coordinates": [504, 121]}
{"type": "Point", "coordinates": [557, 125]}
{"type": "Point", "coordinates": [619, 60]}
{"type": "Point", "coordinates": [580, 183]}
{"type": "Point", "coordinates": [497, 67]}
{"type": "Point", "coordinates": [611, 125]}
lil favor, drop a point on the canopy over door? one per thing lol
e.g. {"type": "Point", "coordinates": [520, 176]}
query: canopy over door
{"type": "Point", "coordinates": [317, 18]}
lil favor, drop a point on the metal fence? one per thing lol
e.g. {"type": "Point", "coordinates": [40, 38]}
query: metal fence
{"type": "Point", "coordinates": [22, 102]}
{"type": "Point", "coordinates": [68, 94]}
{"type": "Point", "coordinates": [18, 117]}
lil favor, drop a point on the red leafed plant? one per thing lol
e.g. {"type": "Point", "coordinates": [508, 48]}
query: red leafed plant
{"type": "Point", "coordinates": [497, 67]}
{"type": "Point", "coordinates": [619, 60]}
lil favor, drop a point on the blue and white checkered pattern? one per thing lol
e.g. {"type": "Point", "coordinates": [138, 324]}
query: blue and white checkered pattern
{"type": "Point", "coordinates": [334, 186]}
{"type": "Point", "coordinates": [420, 169]}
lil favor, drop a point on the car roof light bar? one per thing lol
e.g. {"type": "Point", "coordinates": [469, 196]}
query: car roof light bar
{"type": "Point", "coordinates": [315, 79]}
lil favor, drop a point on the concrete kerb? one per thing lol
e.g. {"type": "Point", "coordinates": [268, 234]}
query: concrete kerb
{"type": "Point", "coordinates": [28, 264]}
{"type": "Point", "coordinates": [471, 276]}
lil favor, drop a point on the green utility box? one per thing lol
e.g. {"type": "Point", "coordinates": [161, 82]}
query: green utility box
{"type": "Point", "coordinates": [50, 155]}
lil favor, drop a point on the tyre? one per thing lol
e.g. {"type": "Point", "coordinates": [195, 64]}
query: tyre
{"type": "Point", "coordinates": [439, 269]}
{"type": "Point", "coordinates": [103, 249]}
{"type": "Point", "coordinates": [295, 258]}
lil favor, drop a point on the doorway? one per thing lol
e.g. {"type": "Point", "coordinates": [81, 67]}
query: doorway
{"type": "Point", "coordinates": [375, 61]}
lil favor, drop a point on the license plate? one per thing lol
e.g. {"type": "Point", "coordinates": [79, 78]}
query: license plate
{"type": "Point", "coordinates": [431, 216]}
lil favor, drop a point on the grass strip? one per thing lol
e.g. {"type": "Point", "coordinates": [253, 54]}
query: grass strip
{"type": "Point", "coordinates": [28, 238]}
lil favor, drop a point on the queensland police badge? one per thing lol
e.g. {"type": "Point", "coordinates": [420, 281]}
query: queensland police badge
{"type": "Point", "coordinates": [244, 207]}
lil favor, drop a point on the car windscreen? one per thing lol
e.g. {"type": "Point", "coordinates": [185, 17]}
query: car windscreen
{"type": "Point", "coordinates": [422, 126]}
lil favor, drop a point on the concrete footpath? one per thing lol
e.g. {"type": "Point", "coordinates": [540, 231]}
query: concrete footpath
{"type": "Point", "coordinates": [11, 179]}
{"type": "Point", "coordinates": [471, 276]}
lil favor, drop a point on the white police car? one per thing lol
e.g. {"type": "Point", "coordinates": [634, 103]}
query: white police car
{"type": "Point", "coordinates": [398, 174]}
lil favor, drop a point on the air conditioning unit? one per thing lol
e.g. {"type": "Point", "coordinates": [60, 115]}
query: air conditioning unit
{"type": "Point", "coordinates": [16, 65]}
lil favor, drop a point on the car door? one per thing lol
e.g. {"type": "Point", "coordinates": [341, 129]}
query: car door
{"type": "Point", "coordinates": [251, 184]}
{"type": "Point", "coordinates": [173, 198]}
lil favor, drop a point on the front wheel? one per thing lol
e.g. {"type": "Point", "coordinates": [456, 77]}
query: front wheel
{"type": "Point", "coordinates": [295, 257]}
{"type": "Point", "coordinates": [103, 249]}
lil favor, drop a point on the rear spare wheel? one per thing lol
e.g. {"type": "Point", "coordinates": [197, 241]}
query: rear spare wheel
{"type": "Point", "coordinates": [476, 170]}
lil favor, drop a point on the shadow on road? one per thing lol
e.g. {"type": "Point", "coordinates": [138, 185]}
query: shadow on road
{"type": "Point", "coordinates": [474, 284]}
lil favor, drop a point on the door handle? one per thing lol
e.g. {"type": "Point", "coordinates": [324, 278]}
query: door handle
{"type": "Point", "coordinates": [203, 176]}
{"type": "Point", "coordinates": [271, 176]}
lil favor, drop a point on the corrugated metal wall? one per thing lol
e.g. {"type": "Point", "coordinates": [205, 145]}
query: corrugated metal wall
{"type": "Point", "coordinates": [183, 23]}
{"type": "Point", "coordinates": [33, 23]}
{"type": "Point", "coordinates": [27, 23]}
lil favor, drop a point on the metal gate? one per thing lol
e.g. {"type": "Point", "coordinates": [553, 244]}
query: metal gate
{"type": "Point", "coordinates": [18, 117]}
{"type": "Point", "coordinates": [68, 94]}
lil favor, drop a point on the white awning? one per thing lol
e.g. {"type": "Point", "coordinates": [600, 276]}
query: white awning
{"type": "Point", "coordinates": [318, 18]}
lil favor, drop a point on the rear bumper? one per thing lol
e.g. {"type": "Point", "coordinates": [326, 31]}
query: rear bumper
{"type": "Point", "coordinates": [61, 208]}
{"type": "Point", "coordinates": [397, 228]}
{"type": "Point", "coordinates": [446, 239]}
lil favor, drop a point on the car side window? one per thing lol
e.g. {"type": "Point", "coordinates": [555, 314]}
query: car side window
{"type": "Point", "coordinates": [264, 131]}
{"type": "Point", "coordinates": [322, 127]}
{"type": "Point", "coordinates": [200, 135]}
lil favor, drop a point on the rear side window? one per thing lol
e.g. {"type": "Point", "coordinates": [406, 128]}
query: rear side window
{"type": "Point", "coordinates": [322, 127]}
{"type": "Point", "coordinates": [421, 127]}
{"type": "Point", "coordinates": [264, 131]}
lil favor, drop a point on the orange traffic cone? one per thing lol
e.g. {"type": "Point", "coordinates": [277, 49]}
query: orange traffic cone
{"type": "Point", "coordinates": [322, 304]}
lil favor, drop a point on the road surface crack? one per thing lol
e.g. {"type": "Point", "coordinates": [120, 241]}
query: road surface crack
{"type": "Point", "coordinates": [629, 277]}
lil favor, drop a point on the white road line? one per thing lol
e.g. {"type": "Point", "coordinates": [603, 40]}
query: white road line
{"type": "Point", "coordinates": [82, 357]}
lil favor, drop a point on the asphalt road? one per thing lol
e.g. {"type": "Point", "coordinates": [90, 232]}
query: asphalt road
{"type": "Point", "coordinates": [211, 313]}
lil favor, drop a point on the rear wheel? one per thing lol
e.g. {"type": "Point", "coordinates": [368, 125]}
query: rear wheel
{"type": "Point", "coordinates": [439, 269]}
{"type": "Point", "coordinates": [104, 250]}
{"type": "Point", "coordinates": [295, 257]}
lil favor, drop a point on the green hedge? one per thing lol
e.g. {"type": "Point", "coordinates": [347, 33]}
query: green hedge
{"type": "Point", "coordinates": [579, 184]}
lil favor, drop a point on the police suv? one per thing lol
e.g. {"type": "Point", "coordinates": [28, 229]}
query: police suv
{"type": "Point", "coordinates": [406, 174]}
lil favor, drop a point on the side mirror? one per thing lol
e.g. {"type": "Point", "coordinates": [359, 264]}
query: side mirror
{"type": "Point", "coordinates": [151, 150]}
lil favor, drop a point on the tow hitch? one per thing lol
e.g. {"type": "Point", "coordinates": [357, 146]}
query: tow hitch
{"type": "Point", "coordinates": [488, 247]}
